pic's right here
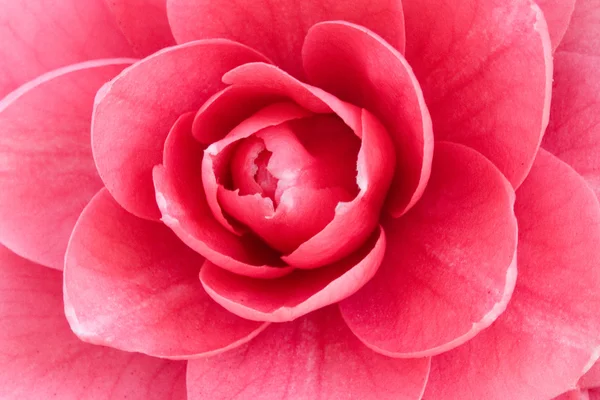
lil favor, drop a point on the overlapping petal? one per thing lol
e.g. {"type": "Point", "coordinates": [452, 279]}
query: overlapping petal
{"type": "Point", "coordinates": [132, 284]}
{"type": "Point", "coordinates": [558, 16]}
{"type": "Point", "coordinates": [144, 23]}
{"type": "Point", "coordinates": [134, 113]}
{"type": "Point", "coordinates": [298, 293]}
{"type": "Point", "coordinates": [47, 172]}
{"type": "Point", "coordinates": [574, 130]}
{"type": "Point", "coordinates": [548, 335]}
{"type": "Point", "coordinates": [485, 67]}
{"type": "Point", "coordinates": [277, 27]}
{"type": "Point", "coordinates": [184, 208]}
{"type": "Point", "coordinates": [313, 357]}
{"type": "Point", "coordinates": [36, 38]}
{"type": "Point", "coordinates": [41, 358]}
{"type": "Point", "coordinates": [449, 268]}
{"type": "Point", "coordinates": [334, 55]}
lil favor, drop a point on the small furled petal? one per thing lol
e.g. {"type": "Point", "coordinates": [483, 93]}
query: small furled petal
{"type": "Point", "coordinates": [485, 67]}
{"type": "Point", "coordinates": [548, 335]}
{"type": "Point", "coordinates": [217, 157]}
{"type": "Point", "coordinates": [134, 112]}
{"type": "Point", "coordinates": [334, 55]}
{"type": "Point", "coordinates": [184, 208]}
{"type": "Point", "coordinates": [558, 15]}
{"type": "Point", "coordinates": [132, 284]}
{"type": "Point", "coordinates": [449, 268]}
{"type": "Point", "coordinates": [37, 36]}
{"type": "Point", "coordinates": [277, 27]}
{"type": "Point", "coordinates": [40, 358]}
{"type": "Point", "coordinates": [47, 173]}
{"type": "Point", "coordinates": [297, 294]}
{"type": "Point", "coordinates": [311, 168]}
{"type": "Point", "coordinates": [315, 357]}
{"type": "Point", "coordinates": [144, 23]}
{"type": "Point", "coordinates": [583, 34]}
{"type": "Point", "coordinates": [355, 220]}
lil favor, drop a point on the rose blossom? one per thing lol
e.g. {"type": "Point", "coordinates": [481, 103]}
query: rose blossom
{"type": "Point", "coordinates": [299, 199]}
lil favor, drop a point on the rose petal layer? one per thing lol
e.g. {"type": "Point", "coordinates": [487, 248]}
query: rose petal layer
{"type": "Point", "coordinates": [449, 268]}
{"type": "Point", "coordinates": [558, 16]}
{"type": "Point", "coordinates": [183, 204]}
{"type": "Point", "coordinates": [548, 335]}
{"type": "Point", "coordinates": [40, 358]}
{"type": "Point", "coordinates": [314, 357]}
{"type": "Point", "coordinates": [134, 112]}
{"type": "Point", "coordinates": [37, 37]}
{"type": "Point", "coordinates": [47, 170]}
{"type": "Point", "coordinates": [334, 55]}
{"type": "Point", "coordinates": [298, 293]}
{"type": "Point", "coordinates": [277, 28]}
{"type": "Point", "coordinates": [486, 72]}
{"type": "Point", "coordinates": [584, 30]}
{"type": "Point", "coordinates": [144, 23]}
{"type": "Point", "coordinates": [132, 284]}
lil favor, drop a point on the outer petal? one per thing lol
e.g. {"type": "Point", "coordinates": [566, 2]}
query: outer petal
{"type": "Point", "coordinates": [131, 284]}
{"type": "Point", "coordinates": [184, 208]}
{"type": "Point", "coordinates": [315, 357]}
{"type": "Point", "coordinates": [277, 27]}
{"type": "Point", "coordinates": [548, 335]}
{"type": "Point", "coordinates": [449, 270]}
{"type": "Point", "coordinates": [574, 130]}
{"type": "Point", "coordinates": [334, 56]}
{"type": "Point", "coordinates": [144, 23]}
{"type": "Point", "coordinates": [299, 293]}
{"type": "Point", "coordinates": [485, 67]}
{"type": "Point", "coordinates": [558, 15]}
{"type": "Point", "coordinates": [47, 173]}
{"type": "Point", "coordinates": [583, 35]}
{"type": "Point", "coordinates": [134, 112]}
{"type": "Point", "coordinates": [40, 358]}
{"type": "Point", "coordinates": [36, 37]}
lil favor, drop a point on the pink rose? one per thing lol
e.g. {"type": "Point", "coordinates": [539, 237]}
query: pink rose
{"type": "Point", "coordinates": [299, 199]}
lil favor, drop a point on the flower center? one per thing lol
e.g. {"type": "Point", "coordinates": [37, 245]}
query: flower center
{"type": "Point", "coordinates": [263, 177]}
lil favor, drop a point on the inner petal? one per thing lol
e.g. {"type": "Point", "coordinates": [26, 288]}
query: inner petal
{"type": "Point", "coordinates": [287, 180]}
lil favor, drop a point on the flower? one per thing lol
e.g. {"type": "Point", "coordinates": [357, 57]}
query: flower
{"type": "Point", "coordinates": [317, 199]}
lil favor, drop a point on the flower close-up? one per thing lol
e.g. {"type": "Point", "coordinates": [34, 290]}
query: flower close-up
{"type": "Point", "coordinates": [300, 199]}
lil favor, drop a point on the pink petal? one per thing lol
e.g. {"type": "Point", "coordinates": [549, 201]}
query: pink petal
{"type": "Point", "coordinates": [449, 270]}
{"type": "Point", "coordinates": [486, 72]}
{"type": "Point", "coordinates": [48, 173]}
{"type": "Point", "coordinates": [576, 394]}
{"type": "Point", "coordinates": [574, 130]}
{"type": "Point", "coordinates": [297, 294]}
{"type": "Point", "coordinates": [217, 156]}
{"type": "Point", "coordinates": [558, 15]}
{"type": "Point", "coordinates": [134, 112]}
{"type": "Point", "coordinates": [584, 29]}
{"type": "Point", "coordinates": [144, 23]}
{"type": "Point", "coordinates": [40, 358]}
{"type": "Point", "coordinates": [277, 28]}
{"type": "Point", "coordinates": [311, 179]}
{"type": "Point", "coordinates": [133, 285]}
{"type": "Point", "coordinates": [334, 56]}
{"type": "Point", "coordinates": [227, 109]}
{"type": "Point", "coordinates": [182, 201]}
{"type": "Point", "coordinates": [591, 379]}
{"type": "Point", "coordinates": [36, 37]}
{"type": "Point", "coordinates": [315, 357]}
{"type": "Point", "coordinates": [343, 234]}
{"type": "Point", "coordinates": [548, 336]}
